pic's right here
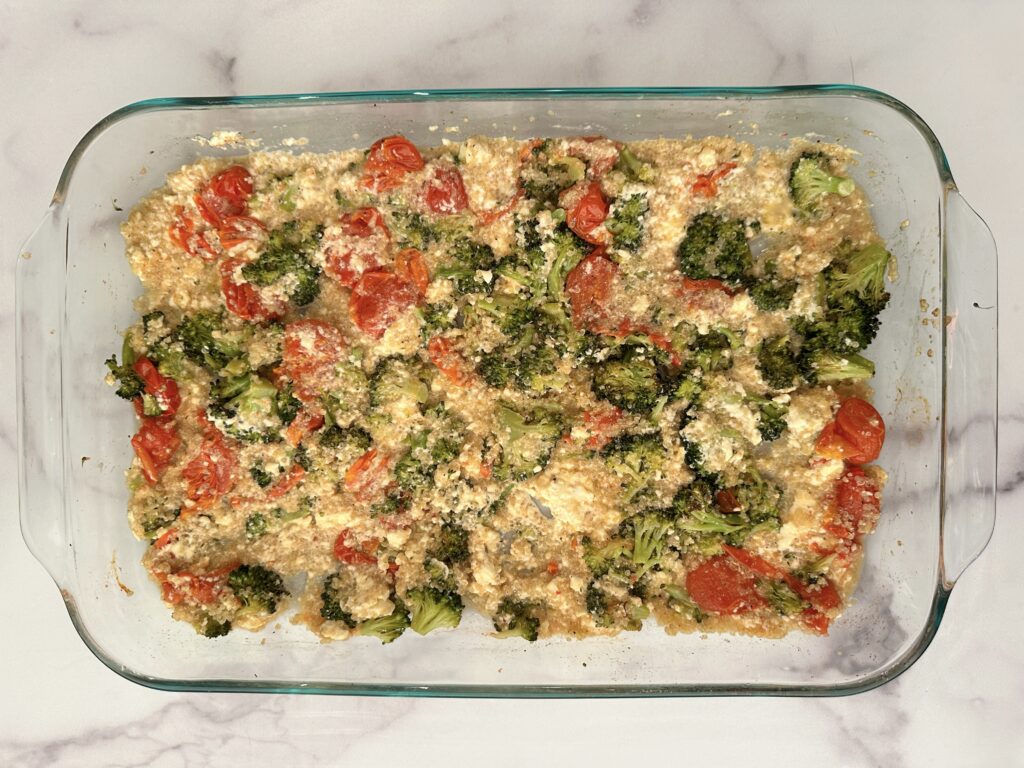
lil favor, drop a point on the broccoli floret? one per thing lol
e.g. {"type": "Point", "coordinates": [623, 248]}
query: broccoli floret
{"type": "Point", "coordinates": [428, 449]}
{"type": "Point", "coordinates": [782, 598]}
{"type": "Point", "coordinates": [602, 560]}
{"type": "Point", "coordinates": [527, 439]}
{"type": "Point", "coordinates": [773, 293]}
{"type": "Point", "coordinates": [437, 318]}
{"type": "Point", "coordinates": [810, 180]}
{"type": "Point", "coordinates": [386, 628]}
{"type": "Point", "coordinates": [412, 230]}
{"type": "Point", "coordinates": [287, 404]}
{"type": "Point", "coordinates": [512, 314]}
{"type": "Point", "coordinates": [636, 458]}
{"type": "Point", "coordinates": [772, 418]}
{"type": "Point", "coordinates": [715, 247]}
{"type": "Point", "coordinates": [260, 476]}
{"type": "Point", "coordinates": [820, 367]}
{"type": "Point", "coordinates": [398, 380]}
{"type": "Point", "coordinates": [608, 612]}
{"type": "Point", "coordinates": [598, 606]}
{"type": "Point", "coordinates": [634, 168]}
{"type": "Point", "coordinates": [241, 407]}
{"type": "Point", "coordinates": [696, 511]}
{"type": "Point", "coordinates": [471, 262]}
{"type": "Point", "coordinates": [158, 517]}
{"type": "Point", "coordinates": [648, 531]}
{"type": "Point", "coordinates": [205, 341]}
{"type": "Point", "coordinates": [861, 273]}
{"type": "Point", "coordinates": [515, 618]}
{"type": "Point", "coordinates": [712, 351]}
{"type": "Point", "coordinates": [451, 546]}
{"type": "Point", "coordinates": [255, 525]}
{"type": "Point", "coordinates": [525, 265]}
{"type": "Point", "coordinates": [129, 383]}
{"type": "Point", "coordinates": [257, 588]}
{"type": "Point", "coordinates": [207, 626]}
{"type": "Point", "coordinates": [693, 456]}
{"type": "Point", "coordinates": [569, 251]}
{"type": "Point", "coordinates": [355, 438]}
{"type": "Point", "coordinates": [626, 221]}
{"type": "Point", "coordinates": [679, 600]}
{"type": "Point", "coordinates": [544, 175]}
{"type": "Point", "coordinates": [434, 605]}
{"type": "Point", "coordinates": [287, 255]}
{"type": "Point", "coordinates": [777, 363]}
{"type": "Point", "coordinates": [330, 602]}
{"type": "Point", "coordinates": [630, 380]}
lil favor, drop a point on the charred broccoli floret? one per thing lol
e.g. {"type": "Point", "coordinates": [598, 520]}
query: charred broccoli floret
{"type": "Point", "coordinates": [516, 618]}
{"type": "Point", "coordinates": [258, 589]}
{"type": "Point", "coordinates": [626, 221]}
{"type": "Point", "coordinates": [777, 363]}
{"type": "Point", "coordinates": [715, 247]}
{"type": "Point", "coordinates": [451, 545]}
{"type": "Point", "coordinates": [330, 602]}
{"type": "Point", "coordinates": [629, 379]}
{"type": "Point", "coordinates": [287, 256]}
{"type": "Point", "coordinates": [242, 407]}
{"type": "Point", "coordinates": [206, 342]}
{"type": "Point", "coordinates": [129, 383]}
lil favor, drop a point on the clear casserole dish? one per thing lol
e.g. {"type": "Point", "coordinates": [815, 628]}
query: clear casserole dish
{"type": "Point", "coordinates": [935, 386]}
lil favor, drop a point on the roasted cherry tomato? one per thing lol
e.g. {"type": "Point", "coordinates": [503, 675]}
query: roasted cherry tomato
{"type": "Point", "coordinates": [586, 211]}
{"type": "Point", "coordinates": [721, 585]}
{"type": "Point", "coordinates": [855, 435]}
{"type": "Point", "coordinates": [856, 505]}
{"type": "Point", "coordinates": [589, 286]}
{"type": "Point", "coordinates": [447, 359]}
{"type": "Point", "coordinates": [388, 162]}
{"type": "Point", "coordinates": [707, 183]}
{"type": "Point", "coordinates": [155, 444]}
{"type": "Point", "coordinates": [183, 233]}
{"type": "Point", "coordinates": [368, 474]}
{"type": "Point", "coordinates": [224, 195]}
{"type": "Point", "coordinates": [346, 550]}
{"type": "Point", "coordinates": [378, 299]}
{"type": "Point", "coordinates": [410, 265]}
{"type": "Point", "coordinates": [211, 474]}
{"type": "Point", "coordinates": [162, 389]}
{"type": "Point", "coordinates": [444, 191]}
{"type": "Point", "coordinates": [235, 230]}
{"type": "Point", "coordinates": [242, 298]}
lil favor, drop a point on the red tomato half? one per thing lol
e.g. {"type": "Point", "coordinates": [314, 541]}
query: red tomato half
{"type": "Point", "coordinates": [410, 265]}
{"type": "Point", "coordinates": [589, 285]}
{"type": "Point", "coordinates": [364, 222]}
{"type": "Point", "coordinates": [368, 474]}
{"type": "Point", "coordinates": [310, 352]}
{"type": "Point", "coordinates": [183, 234]}
{"type": "Point", "coordinates": [162, 389]}
{"type": "Point", "coordinates": [226, 194]}
{"type": "Point", "coordinates": [444, 191]}
{"type": "Point", "coordinates": [720, 585]}
{"type": "Point", "coordinates": [857, 505]}
{"type": "Point", "coordinates": [155, 444]}
{"type": "Point", "coordinates": [448, 361]}
{"type": "Point", "coordinates": [859, 422]}
{"type": "Point", "coordinates": [378, 299]}
{"type": "Point", "coordinates": [242, 298]}
{"type": "Point", "coordinates": [586, 212]}
{"type": "Point", "coordinates": [364, 239]}
{"type": "Point", "coordinates": [346, 550]}
{"type": "Point", "coordinates": [388, 161]}
{"type": "Point", "coordinates": [235, 230]}
{"type": "Point", "coordinates": [211, 473]}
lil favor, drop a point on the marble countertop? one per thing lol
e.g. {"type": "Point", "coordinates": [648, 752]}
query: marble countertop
{"type": "Point", "coordinates": [64, 67]}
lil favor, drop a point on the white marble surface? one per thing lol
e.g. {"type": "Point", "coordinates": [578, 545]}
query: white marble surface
{"type": "Point", "coordinates": [64, 67]}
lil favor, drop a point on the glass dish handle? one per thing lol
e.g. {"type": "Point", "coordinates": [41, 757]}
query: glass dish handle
{"type": "Point", "coordinates": [971, 362]}
{"type": "Point", "coordinates": [39, 313]}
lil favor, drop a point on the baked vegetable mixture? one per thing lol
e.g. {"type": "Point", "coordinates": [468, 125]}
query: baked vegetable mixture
{"type": "Point", "coordinates": [573, 384]}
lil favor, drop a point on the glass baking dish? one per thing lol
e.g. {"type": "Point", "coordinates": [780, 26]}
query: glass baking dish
{"type": "Point", "coordinates": [936, 387]}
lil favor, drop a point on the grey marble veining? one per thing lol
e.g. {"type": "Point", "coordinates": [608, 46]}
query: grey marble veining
{"type": "Point", "coordinates": [62, 68]}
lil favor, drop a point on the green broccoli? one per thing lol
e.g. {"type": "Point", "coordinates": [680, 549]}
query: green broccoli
{"type": "Point", "coordinates": [207, 626]}
{"type": "Point", "coordinates": [636, 458]}
{"type": "Point", "coordinates": [242, 406]}
{"type": "Point", "coordinates": [821, 367]}
{"type": "Point", "coordinates": [771, 294]}
{"type": "Point", "coordinates": [781, 597]}
{"type": "Point", "coordinates": [715, 247]}
{"type": "Point", "coordinates": [258, 589]}
{"type": "Point", "coordinates": [712, 351]}
{"type": "Point", "coordinates": [206, 343]}
{"type": "Point", "coordinates": [569, 251]}
{"type": "Point", "coordinates": [634, 168]}
{"type": "Point", "coordinates": [649, 531]}
{"type": "Point", "coordinates": [544, 175]}
{"type": "Point", "coordinates": [388, 628]}
{"type": "Point", "coordinates": [158, 516]}
{"type": "Point", "coordinates": [629, 379]}
{"type": "Point", "coordinates": [337, 438]}
{"type": "Point", "coordinates": [626, 221]}
{"type": "Point", "coordinates": [255, 525]}
{"type": "Point", "coordinates": [525, 264]}
{"type": "Point", "coordinates": [810, 180]}
{"type": "Point", "coordinates": [696, 511]}
{"type": "Point", "coordinates": [527, 363]}
{"type": "Point", "coordinates": [602, 560]}
{"type": "Point", "coordinates": [331, 596]}
{"type": "Point", "coordinates": [399, 380]}
{"type": "Point", "coordinates": [412, 230]}
{"type": "Point", "coordinates": [451, 545]}
{"type": "Point", "coordinates": [777, 363]}
{"type": "Point", "coordinates": [527, 439]}
{"type": "Point", "coordinates": [512, 314]}
{"type": "Point", "coordinates": [516, 618]}
{"type": "Point", "coordinates": [607, 611]}
{"type": "Point", "coordinates": [129, 383]}
{"type": "Point", "coordinates": [861, 273]}
{"type": "Point", "coordinates": [693, 456]}
{"type": "Point", "coordinates": [472, 261]}
{"type": "Point", "coordinates": [434, 605]}
{"type": "Point", "coordinates": [680, 601]}
{"type": "Point", "coordinates": [771, 417]}
{"type": "Point", "coordinates": [437, 318]}
{"type": "Point", "coordinates": [288, 255]}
